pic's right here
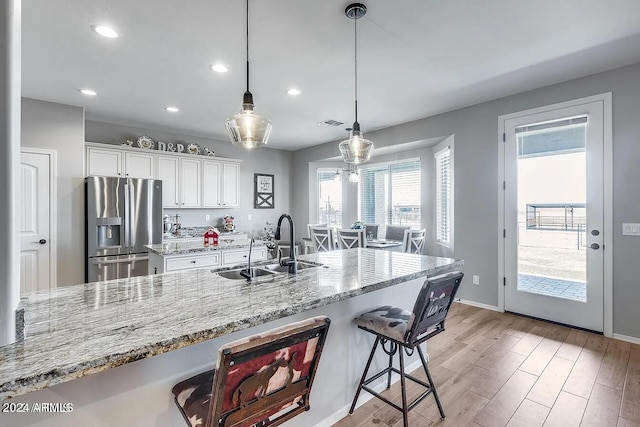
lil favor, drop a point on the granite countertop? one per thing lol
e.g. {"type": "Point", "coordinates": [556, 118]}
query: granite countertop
{"type": "Point", "coordinates": [83, 329]}
{"type": "Point", "coordinates": [185, 248]}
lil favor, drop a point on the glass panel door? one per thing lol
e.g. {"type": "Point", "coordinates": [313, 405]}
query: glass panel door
{"type": "Point", "coordinates": [554, 214]}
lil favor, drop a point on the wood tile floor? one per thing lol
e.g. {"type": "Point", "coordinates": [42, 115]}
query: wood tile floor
{"type": "Point", "coordinates": [495, 369]}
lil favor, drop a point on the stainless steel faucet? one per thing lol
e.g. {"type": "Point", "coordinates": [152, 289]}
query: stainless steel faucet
{"type": "Point", "coordinates": [291, 260]}
{"type": "Point", "coordinates": [248, 273]}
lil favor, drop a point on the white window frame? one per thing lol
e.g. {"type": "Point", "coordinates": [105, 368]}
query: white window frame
{"type": "Point", "coordinates": [388, 164]}
{"type": "Point", "coordinates": [438, 151]}
{"type": "Point", "coordinates": [317, 202]}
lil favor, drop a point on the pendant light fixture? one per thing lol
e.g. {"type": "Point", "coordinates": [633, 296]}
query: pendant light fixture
{"type": "Point", "coordinates": [248, 129]}
{"type": "Point", "coordinates": [356, 149]}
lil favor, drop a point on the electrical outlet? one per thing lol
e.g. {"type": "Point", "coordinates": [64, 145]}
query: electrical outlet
{"type": "Point", "coordinates": [630, 229]}
{"type": "Point", "coordinates": [207, 217]}
{"type": "Point", "coordinates": [476, 280]}
{"type": "Point", "coordinates": [248, 217]}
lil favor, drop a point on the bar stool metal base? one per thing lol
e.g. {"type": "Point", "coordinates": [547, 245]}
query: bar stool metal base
{"type": "Point", "coordinates": [394, 346]}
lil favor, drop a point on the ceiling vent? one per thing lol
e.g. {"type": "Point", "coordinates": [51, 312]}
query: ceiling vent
{"type": "Point", "coordinates": [330, 122]}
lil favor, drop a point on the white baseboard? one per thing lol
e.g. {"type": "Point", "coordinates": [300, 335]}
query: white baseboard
{"type": "Point", "coordinates": [627, 338]}
{"type": "Point", "coordinates": [365, 397]}
{"type": "Point", "coordinates": [478, 304]}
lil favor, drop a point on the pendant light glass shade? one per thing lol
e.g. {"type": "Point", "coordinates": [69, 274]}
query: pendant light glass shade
{"type": "Point", "coordinates": [356, 149]}
{"type": "Point", "coordinates": [248, 129]}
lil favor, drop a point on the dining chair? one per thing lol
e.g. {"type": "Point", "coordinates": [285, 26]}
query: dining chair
{"type": "Point", "coordinates": [261, 380]}
{"type": "Point", "coordinates": [413, 241]}
{"type": "Point", "coordinates": [395, 232]}
{"type": "Point", "coordinates": [309, 226]}
{"type": "Point", "coordinates": [400, 331]}
{"type": "Point", "coordinates": [322, 238]}
{"type": "Point", "coordinates": [348, 239]}
{"type": "Point", "coordinates": [373, 229]}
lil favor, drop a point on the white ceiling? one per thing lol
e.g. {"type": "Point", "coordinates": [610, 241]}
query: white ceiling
{"type": "Point", "coordinates": [416, 58]}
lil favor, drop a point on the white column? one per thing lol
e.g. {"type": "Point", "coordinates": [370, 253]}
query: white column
{"type": "Point", "coordinates": [10, 17]}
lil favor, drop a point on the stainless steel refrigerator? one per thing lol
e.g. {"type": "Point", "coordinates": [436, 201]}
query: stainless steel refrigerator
{"type": "Point", "coordinates": [122, 216]}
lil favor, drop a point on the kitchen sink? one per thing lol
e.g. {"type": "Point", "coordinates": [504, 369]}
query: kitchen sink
{"type": "Point", "coordinates": [235, 274]}
{"type": "Point", "coordinates": [302, 265]}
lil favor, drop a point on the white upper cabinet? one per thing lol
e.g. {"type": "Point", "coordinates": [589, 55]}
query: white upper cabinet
{"type": "Point", "coordinates": [188, 181]}
{"type": "Point", "coordinates": [220, 184]}
{"type": "Point", "coordinates": [139, 165]}
{"type": "Point", "coordinates": [211, 184]}
{"type": "Point", "coordinates": [230, 180]}
{"type": "Point", "coordinates": [169, 173]}
{"type": "Point", "coordinates": [104, 162]}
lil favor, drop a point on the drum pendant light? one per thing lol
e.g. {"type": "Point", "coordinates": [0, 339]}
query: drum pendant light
{"type": "Point", "coordinates": [356, 149]}
{"type": "Point", "coordinates": [248, 129]}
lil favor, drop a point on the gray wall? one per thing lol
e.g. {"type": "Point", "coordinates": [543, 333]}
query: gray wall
{"type": "Point", "coordinates": [265, 160]}
{"type": "Point", "coordinates": [476, 190]}
{"type": "Point", "coordinates": [61, 127]}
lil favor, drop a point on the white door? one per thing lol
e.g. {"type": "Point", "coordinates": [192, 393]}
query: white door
{"type": "Point", "coordinates": [231, 175]}
{"type": "Point", "coordinates": [211, 184]}
{"type": "Point", "coordinates": [190, 178]}
{"type": "Point", "coordinates": [554, 214]}
{"type": "Point", "coordinates": [36, 261]}
{"type": "Point", "coordinates": [168, 172]}
{"type": "Point", "coordinates": [139, 165]}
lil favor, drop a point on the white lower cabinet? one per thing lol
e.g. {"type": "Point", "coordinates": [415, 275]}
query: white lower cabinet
{"type": "Point", "coordinates": [164, 264]}
{"type": "Point", "coordinates": [239, 256]}
{"type": "Point", "coordinates": [227, 257]}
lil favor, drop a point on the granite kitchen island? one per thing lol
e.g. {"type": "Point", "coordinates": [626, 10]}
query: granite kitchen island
{"type": "Point", "coordinates": [102, 335]}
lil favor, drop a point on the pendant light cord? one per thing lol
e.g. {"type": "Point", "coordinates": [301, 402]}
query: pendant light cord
{"type": "Point", "coordinates": [355, 57]}
{"type": "Point", "coordinates": [247, 45]}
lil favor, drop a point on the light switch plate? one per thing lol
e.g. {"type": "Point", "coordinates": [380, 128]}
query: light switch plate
{"type": "Point", "coordinates": [476, 280]}
{"type": "Point", "coordinates": [630, 229]}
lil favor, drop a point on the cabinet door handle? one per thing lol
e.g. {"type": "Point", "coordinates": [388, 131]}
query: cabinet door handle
{"type": "Point", "coordinates": [193, 262]}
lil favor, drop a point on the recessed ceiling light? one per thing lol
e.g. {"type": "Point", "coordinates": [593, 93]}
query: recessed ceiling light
{"type": "Point", "coordinates": [105, 31]}
{"type": "Point", "coordinates": [172, 109]}
{"type": "Point", "coordinates": [88, 92]}
{"type": "Point", "coordinates": [294, 92]}
{"type": "Point", "coordinates": [219, 68]}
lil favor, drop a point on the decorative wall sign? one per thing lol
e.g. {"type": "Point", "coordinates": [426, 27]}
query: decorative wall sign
{"type": "Point", "coordinates": [263, 191]}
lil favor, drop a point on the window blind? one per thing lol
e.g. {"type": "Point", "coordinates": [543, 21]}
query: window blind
{"type": "Point", "coordinates": [390, 195]}
{"type": "Point", "coordinates": [329, 199]}
{"type": "Point", "coordinates": [443, 196]}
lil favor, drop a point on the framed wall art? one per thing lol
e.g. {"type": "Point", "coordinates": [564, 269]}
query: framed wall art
{"type": "Point", "coordinates": [263, 191]}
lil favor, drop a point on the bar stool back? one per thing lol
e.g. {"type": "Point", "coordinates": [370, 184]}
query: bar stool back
{"type": "Point", "coordinates": [404, 331]}
{"type": "Point", "coordinates": [348, 239]}
{"type": "Point", "coordinates": [262, 380]}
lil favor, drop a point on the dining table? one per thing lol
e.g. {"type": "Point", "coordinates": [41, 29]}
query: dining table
{"type": "Point", "coordinates": [388, 244]}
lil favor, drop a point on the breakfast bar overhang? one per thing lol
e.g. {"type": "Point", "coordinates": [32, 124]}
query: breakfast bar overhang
{"type": "Point", "coordinates": [102, 335]}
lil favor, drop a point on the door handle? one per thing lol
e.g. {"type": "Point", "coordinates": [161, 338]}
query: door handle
{"type": "Point", "coordinates": [41, 241]}
{"type": "Point", "coordinates": [595, 232]}
{"type": "Point", "coordinates": [595, 246]}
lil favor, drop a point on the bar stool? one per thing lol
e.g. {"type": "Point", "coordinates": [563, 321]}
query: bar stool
{"type": "Point", "coordinates": [261, 380]}
{"type": "Point", "coordinates": [404, 331]}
